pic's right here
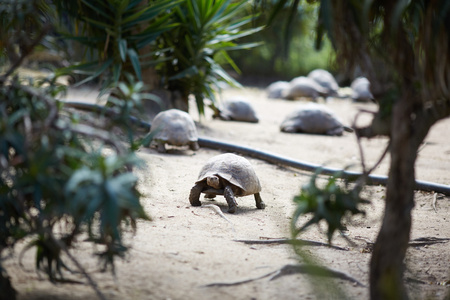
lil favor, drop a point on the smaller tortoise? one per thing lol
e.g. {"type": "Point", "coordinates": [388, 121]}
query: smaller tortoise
{"type": "Point", "coordinates": [229, 175]}
{"type": "Point", "coordinates": [361, 90]}
{"type": "Point", "coordinates": [326, 80]}
{"type": "Point", "coordinates": [313, 118]}
{"type": "Point", "coordinates": [174, 127]}
{"type": "Point", "coordinates": [304, 87]}
{"type": "Point", "coordinates": [235, 110]}
{"type": "Point", "coordinates": [275, 89]}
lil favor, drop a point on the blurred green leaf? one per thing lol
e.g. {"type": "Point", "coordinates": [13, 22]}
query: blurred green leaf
{"type": "Point", "coordinates": [330, 203]}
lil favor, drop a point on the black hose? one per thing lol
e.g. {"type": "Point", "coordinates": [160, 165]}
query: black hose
{"type": "Point", "coordinates": [275, 158]}
{"type": "Point", "coordinates": [285, 161]}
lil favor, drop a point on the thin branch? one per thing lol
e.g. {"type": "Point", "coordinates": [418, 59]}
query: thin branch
{"type": "Point", "coordinates": [220, 213]}
{"type": "Point", "coordinates": [365, 173]}
{"type": "Point", "coordinates": [299, 242]}
{"type": "Point", "coordinates": [95, 133]}
{"type": "Point", "coordinates": [358, 141]}
{"type": "Point", "coordinates": [27, 52]}
{"type": "Point", "coordinates": [53, 113]}
{"type": "Point", "coordinates": [293, 269]}
{"type": "Point", "coordinates": [434, 202]}
{"type": "Point", "coordinates": [91, 281]}
{"type": "Point", "coordinates": [423, 241]}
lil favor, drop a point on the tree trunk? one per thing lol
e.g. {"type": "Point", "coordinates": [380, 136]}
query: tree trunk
{"type": "Point", "coordinates": [387, 263]}
{"type": "Point", "coordinates": [7, 292]}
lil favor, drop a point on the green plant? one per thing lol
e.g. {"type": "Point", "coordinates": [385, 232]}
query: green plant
{"type": "Point", "coordinates": [207, 30]}
{"type": "Point", "coordinates": [60, 179]}
{"type": "Point", "coordinates": [54, 186]}
{"type": "Point", "coordinates": [330, 203]}
{"type": "Point", "coordinates": [284, 55]}
{"type": "Point", "coordinates": [114, 34]}
{"type": "Point", "coordinates": [127, 100]}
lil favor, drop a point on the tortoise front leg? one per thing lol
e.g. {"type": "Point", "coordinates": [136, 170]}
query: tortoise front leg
{"type": "Point", "coordinates": [229, 196]}
{"type": "Point", "coordinates": [259, 203]}
{"type": "Point", "coordinates": [194, 196]}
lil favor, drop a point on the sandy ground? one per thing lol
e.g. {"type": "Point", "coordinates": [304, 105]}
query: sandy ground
{"type": "Point", "coordinates": [185, 248]}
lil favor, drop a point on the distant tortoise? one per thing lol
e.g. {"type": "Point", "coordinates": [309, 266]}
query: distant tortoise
{"type": "Point", "coordinates": [326, 80]}
{"type": "Point", "coordinates": [361, 90]}
{"type": "Point", "coordinates": [304, 87]}
{"type": "Point", "coordinates": [229, 175]}
{"type": "Point", "coordinates": [236, 110]}
{"type": "Point", "coordinates": [313, 118]}
{"type": "Point", "coordinates": [275, 89]}
{"type": "Point", "coordinates": [174, 127]}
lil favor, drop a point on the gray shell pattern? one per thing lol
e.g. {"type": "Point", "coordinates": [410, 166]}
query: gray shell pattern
{"type": "Point", "coordinates": [275, 89]}
{"type": "Point", "coordinates": [239, 110]}
{"type": "Point", "coordinates": [312, 118]}
{"type": "Point", "coordinates": [303, 87]}
{"type": "Point", "coordinates": [326, 80]}
{"type": "Point", "coordinates": [174, 127]}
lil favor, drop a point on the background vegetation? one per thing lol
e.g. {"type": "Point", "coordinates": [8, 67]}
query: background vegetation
{"type": "Point", "coordinates": [288, 50]}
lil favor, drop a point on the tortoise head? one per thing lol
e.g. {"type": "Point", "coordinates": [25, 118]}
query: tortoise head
{"type": "Point", "coordinates": [213, 181]}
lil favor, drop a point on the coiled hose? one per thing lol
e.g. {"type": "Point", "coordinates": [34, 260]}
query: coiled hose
{"type": "Point", "coordinates": [272, 157]}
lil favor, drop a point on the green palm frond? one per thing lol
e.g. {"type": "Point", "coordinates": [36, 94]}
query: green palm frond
{"type": "Point", "coordinates": [207, 30]}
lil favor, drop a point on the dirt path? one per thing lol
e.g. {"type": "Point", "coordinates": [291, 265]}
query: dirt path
{"type": "Point", "coordinates": [186, 248]}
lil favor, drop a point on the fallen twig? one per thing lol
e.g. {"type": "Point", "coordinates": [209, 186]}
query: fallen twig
{"type": "Point", "coordinates": [91, 281]}
{"type": "Point", "coordinates": [220, 213]}
{"type": "Point", "coordinates": [423, 241]}
{"type": "Point", "coordinates": [293, 269]}
{"type": "Point", "coordinates": [300, 242]}
{"type": "Point", "coordinates": [316, 271]}
{"type": "Point", "coordinates": [220, 284]}
{"type": "Point", "coordinates": [434, 202]}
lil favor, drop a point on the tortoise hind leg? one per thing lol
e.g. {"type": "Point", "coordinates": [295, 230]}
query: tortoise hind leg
{"type": "Point", "coordinates": [194, 196]}
{"type": "Point", "coordinates": [229, 196]}
{"type": "Point", "coordinates": [259, 202]}
{"type": "Point", "coordinates": [161, 147]}
{"type": "Point", "coordinates": [194, 146]}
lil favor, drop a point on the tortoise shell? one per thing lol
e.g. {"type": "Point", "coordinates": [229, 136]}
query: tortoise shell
{"type": "Point", "coordinates": [312, 118]}
{"type": "Point", "coordinates": [174, 127]}
{"type": "Point", "coordinates": [237, 110]}
{"type": "Point", "coordinates": [234, 169]}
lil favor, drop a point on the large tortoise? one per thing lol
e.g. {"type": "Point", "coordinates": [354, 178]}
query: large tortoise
{"type": "Point", "coordinates": [229, 175]}
{"type": "Point", "coordinates": [313, 118]}
{"type": "Point", "coordinates": [174, 127]}
{"type": "Point", "coordinates": [304, 87]}
{"type": "Point", "coordinates": [236, 110]}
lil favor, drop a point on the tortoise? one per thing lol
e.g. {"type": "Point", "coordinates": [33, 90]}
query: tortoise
{"type": "Point", "coordinates": [303, 87]}
{"type": "Point", "coordinates": [229, 175]}
{"type": "Point", "coordinates": [174, 127]}
{"type": "Point", "coordinates": [275, 89]}
{"type": "Point", "coordinates": [361, 90]}
{"type": "Point", "coordinates": [236, 110]}
{"type": "Point", "coordinates": [313, 118]}
{"type": "Point", "coordinates": [326, 80]}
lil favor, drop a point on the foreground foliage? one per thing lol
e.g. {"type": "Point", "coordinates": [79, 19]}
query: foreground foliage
{"type": "Point", "coordinates": [61, 179]}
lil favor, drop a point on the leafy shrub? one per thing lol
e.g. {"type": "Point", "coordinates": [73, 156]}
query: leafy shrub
{"type": "Point", "coordinates": [57, 183]}
{"type": "Point", "coordinates": [330, 203]}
